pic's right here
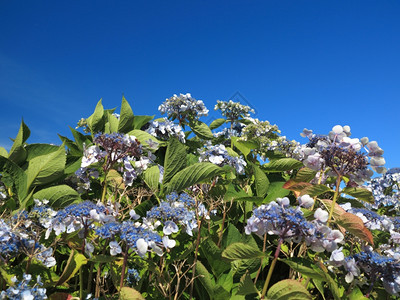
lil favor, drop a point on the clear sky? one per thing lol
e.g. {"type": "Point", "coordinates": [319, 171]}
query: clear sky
{"type": "Point", "coordinates": [310, 64]}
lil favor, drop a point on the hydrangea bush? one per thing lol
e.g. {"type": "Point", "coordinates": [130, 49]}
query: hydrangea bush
{"type": "Point", "coordinates": [132, 207]}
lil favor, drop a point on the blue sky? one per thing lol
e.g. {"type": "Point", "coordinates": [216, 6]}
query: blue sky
{"type": "Point", "coordinates": [310, 64]}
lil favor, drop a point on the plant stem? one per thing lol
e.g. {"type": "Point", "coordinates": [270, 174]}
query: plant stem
{"type": "Point", "coordinates": [259, 269]}
{"type": "Point", "coordinates": [335, 196]}
{"type": "Point", "coordinates": [271, 268]}
{"type": "Point", "coordinates": [121, 283]}
{"type": "Point", "coordinates": [81, 283]}
{"type": "Point", "coordinates": [199, 222]}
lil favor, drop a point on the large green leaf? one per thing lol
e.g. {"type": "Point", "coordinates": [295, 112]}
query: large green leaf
{"type": "Point", "coordinates": [80, 139]}
{"type": "Point", "coordinates": [96, 120]}
{"type": "Point", "coordinates": [201, 130]}
{"type": "Point", "coordinates": [246, 286]}
{"type": "Point", "coordinates": [126, 117]}
{"type": "Point", "coordinates": [175, 159]}
{"type": "Point", "coordinates": [261, 181]}
{"type": "Point", "coordinates": [143, 137]}
{"type": "Point", "coordinates": [237, 251]}
{"type": "Point", "coordinates": [283, 164]}
{"type": "Point", "coordinates": [288, 289]}
{"type": "Point", "coordinates": [305, 267]}
{"type": "Point", "coordinates": [359, 193]}
{"type": "Point", "coordinates": [34, 150]}
{"type": "Point", "coordinates": [193, 174]}
{"type": "Point", "coordinates": [276, 190]}
{"type": "Point", "coordinates": [205, 279]}
{"type": "Point", "coordinates": [113, 122]}
{"type": "Point", "coordinates": [17, 152]}
{"type": "Point", "coordinates": [217, 123]}
{"type": "Point", "coordinates": [305, 175]}
{"type": "Point", "coordinates": [44, 169]}
{"type": "Point", "coordinates": [59, 196]}
{"type": "Point", "coordinates": [128, 293]}
{"type": "Point", "coordinates": [152, 177]}
{"type": "Point", "coordinates": [3, 152]}
{"type": "Point", "coordinates": [316, 190]}
{"type": "Point", "coordinates": [19, 178]}
{"type": "Point", "coordinates": [75, 262]}
{"type": "Point", "coordinates": [212, 253]}
{"type": "Point", "coordinates": [139, 121]}
{"type": "Point", "coordinates": [244, 146]}
{"type": "Point", "coordinates": [73, 148]}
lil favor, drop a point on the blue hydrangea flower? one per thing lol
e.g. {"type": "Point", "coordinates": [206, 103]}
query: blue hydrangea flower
{"type": "Point", "coordinates": [21, 290]}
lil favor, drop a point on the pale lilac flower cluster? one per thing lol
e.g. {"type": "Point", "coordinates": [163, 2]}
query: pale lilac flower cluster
{"type": "Point", "coordinates": [227, 133]}
{"type": "Point", "coordinates": [115, 150]}
{"type": "Point", "coordinates": [164, 129]}
{"type": "Point", "coordinates": [289, 223]}
{"type": "Point", "coordinates": [135, 235]}
{"type": "Point", "coordinates": [343, 155]}
{"type": "Point", "coordinates": [386, 189]}
{"type": "Point", "coordinates": [218, 155]}
{"type": "Point", "coordinates": [233, 111]}
{"type": "Point", "coordinates": [16, 237]}
{"type": "Point", "coordinates": [182, 107]}
{"type": "Point", "coordinates": [21, 290]}
{"type": "Point", "coordinates": [177, 209]}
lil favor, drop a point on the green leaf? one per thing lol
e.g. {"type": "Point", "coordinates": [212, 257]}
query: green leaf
{"type": "Point", "coordinates": [113, 122]}
{"type": "Point", "coordinates": [59, 196]}
{"type": "Point", "coordinates": [44, 169]}
{"type": "Point", "coordinates": [96, 121]}
{"type": "Point", "coordinates": [152, 177]}
{"type": "Point", "coordinates": [143, 137]}
{"type": "Point", "coordinates": [305, 267]}
{"type": "Point", "coordinates": [282, 164]}
{"type": "Point", "coordinates": [355, 225]}
{"type": "Point", "coordinates": [237, 251]}
{"type": "Point", "coordinates": [80, 139]}
{"type": "Point", "coordinates": [305, 175]}
{"type": "Point", "coordinates": [128, 293]}
{"type": "Point", "coordinates": [359, 193]}
{"type": "Point", "coordinates": [126, 117]}
{"type": "Point", "coordinates": [175, 159]}
{"type": "Point", "coordinates": [288, 289]}
{"type": "Point", "coordinates": [212, 253]}
{"type": "Point", "coordinates": [261, 181]}
{"type": "Point", "coordinates": [244, 146]}
{"type": "Point", "coordinates": [17, 152]}
{"type": "Point", "coordinates": [72, 146]}
{"type": "Point", "coordinates": [17, 174]}
{"type": "Point", "coordinates": [356, 294]}
{"type": "Point", "coordinates": [201, 130]}
{"type": "Point", "coordinates": [246, 286]}
{"type": "Point", "coordinates": [276, 190]}
{"type": "Point", "coordinates": [115, 180]}
{"type": "Point", "coordinates": [217, 123]}
{"type": "Point", "coordinates": [320, 287]}
{"type": "Point", "coordinates": [74, 263]}
{"type": "Point", "coordinates": [316, 190]}
{"type": "Point", "coordinates": [34, 150]}
{"type": "Point", "coordinates": [193, 174]}
{"type": "Point", "coordinates": [234, 191]}
{"type": "Point", "coordinates": [3, 152]}
{"type": "Point", "coordinates": [205, 279]}
{"type": "Point", "coordinates": [139, 121]}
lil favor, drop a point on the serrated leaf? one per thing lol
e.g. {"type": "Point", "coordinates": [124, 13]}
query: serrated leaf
{"type": "Point", "coordinates": [139, 121]}
{"type": "Point", "coordinates": [74, 263]}
{"type": "Point", "coordinates": [201, 130]}
{"type": "Point", "coordinates": [237, 251]}
{"type": "Point", "coordinates": [113, 122]}
{"type": "Point", "coordinates": [276, 190]}
{"type": "Point", "coordinates": [288, 289]}
{"type": "Point", "coordinates": [244, 146]}
{"type": "Point", "coordinates": [359, 193]}
{"type": "Point", "coordinates": [17, 174]}
{"type": "Point", "coordinates": [193, 174]}
{"type": "Point", "coordinates": [205, 279]}
{"type": "Point", "coordinates": [175, 159]}
{"type": "Point", "coordinates": [355, 225]}
{"type": "Point", "coordinates": [305, 175]}
{"type": "Point", "coordinates": [246, 286]}
{"type": "Point", "coordinates": [305, 267]}
{"type": "Point", "coordinates": [316, 190]}
{"type": "Point", "coordinates": [34, 150]}
{"type": "Point", "coordinates": [143, 137]}
{"type": "Point", "coordinates": [44, 169]}
{"type": "Point", "coordinates": [152, 177]}
{"type": "Point", "coordinates": [217, 123]}
{"type": "Point", "coordinates": [95, 121]}
{"type": "Point", "coordinates": [128, 293]}
{"type": "Point", "coordinates": [282, 164]}
{"type": "Point", "coordinates": [296, 186]}
{"type": "Point", "coordinates": [59, 196]}
{"type": "Point", "coordinates": [17, 152]}
{"type": "Point", "coordinates": [114, 179]}
{"type": "Point", "coordinates": [3, 152]}
{"type": "Point", "coordinates": [261, 181]}
{"type": "Point", "coordinates": [337, 210]}
{"type": "Point", "coordinates": [212, 253]}
{"type": "Point", "coordinates": [71, 145]}
{"type": "Point", "coordinates": [126, 117]}
{"type": "Point", "coordinates": [80, 139]}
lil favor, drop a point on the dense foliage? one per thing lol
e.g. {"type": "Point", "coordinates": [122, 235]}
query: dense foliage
{"type": "Point", "coordinates": [134, 207]}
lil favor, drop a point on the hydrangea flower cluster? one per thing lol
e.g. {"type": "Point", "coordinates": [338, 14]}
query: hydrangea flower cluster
{"type": "Point", "coordinates": [279, 218]}
{"type": "Point", "coordinates": [165, 129]}
{"type": "Point", "coordinates": [378, 267]}
{"type": "Point", "coordinates": [133, 277]}
{"type": "Point", "coordinates": [22, 291]}
{"type": "Point", "coordinates": [233, 110]}
{"type": "Point", "coordinates": [342, 154]}
{"type": "Point", "coordinates": [183, 107]}
{"type": "Point", "coordinates": [386, 189]}
{"type": "Point", "coordinates": [227, 133]}
{"type": "Point", "coordinates": [218, 155]}
{"type": "Point", "coordinates": [15, 238]}
{"type": "Point", "coordinates": [115, 149]}
{"type": "Point", "coordinates": [80, 217]}
{"type": "Point", "coordinates": [135, 235]}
